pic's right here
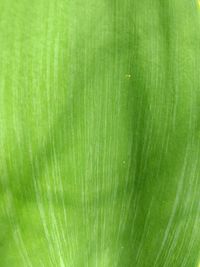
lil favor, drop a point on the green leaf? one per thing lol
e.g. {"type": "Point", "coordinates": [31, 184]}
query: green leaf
{"type": "Point", "coordinates": [99, 133]}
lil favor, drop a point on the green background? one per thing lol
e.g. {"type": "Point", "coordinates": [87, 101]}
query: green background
{"type": "Point", "coordinates": [99, 133]}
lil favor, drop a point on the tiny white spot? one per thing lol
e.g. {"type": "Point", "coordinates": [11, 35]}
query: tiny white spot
{"type": "Point", "coordinates": [128, 76]}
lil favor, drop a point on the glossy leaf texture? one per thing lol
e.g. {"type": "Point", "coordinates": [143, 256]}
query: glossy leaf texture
{"type": "Point", "coordinates": [99, 133]}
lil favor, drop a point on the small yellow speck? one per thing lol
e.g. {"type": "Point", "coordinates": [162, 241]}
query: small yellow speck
{"type": "Point", "coordinates": [128, 76]}
{"type": "Point", "coordinates": [199, 6]}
